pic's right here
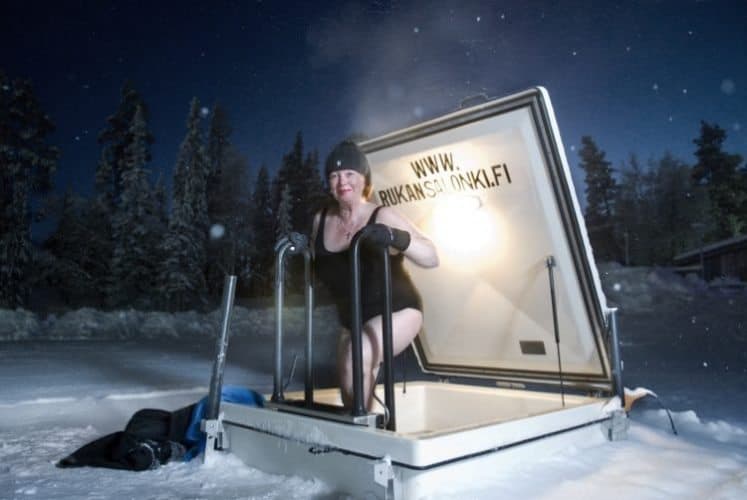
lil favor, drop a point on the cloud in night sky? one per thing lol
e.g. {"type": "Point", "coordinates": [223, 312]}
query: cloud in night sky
{"type": "Point", "coordinates": [405, 63]}
{"type": "Point", "coordinates": [638, 76]}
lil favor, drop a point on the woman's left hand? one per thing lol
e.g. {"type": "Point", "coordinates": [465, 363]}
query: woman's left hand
{"type": "Point", "coordinates": [420, 249]}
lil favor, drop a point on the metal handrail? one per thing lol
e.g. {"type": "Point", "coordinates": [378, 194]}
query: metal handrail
{"type": "Point", "coordinates": [356, 327]}
{"type": "Point", "coordinates": [292, 244]}
{"type": "Point", "coordinates": [296, 243]}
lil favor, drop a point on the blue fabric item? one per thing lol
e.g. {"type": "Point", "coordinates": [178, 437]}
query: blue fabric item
{"type": "Point", "coordinates": [194, 437]}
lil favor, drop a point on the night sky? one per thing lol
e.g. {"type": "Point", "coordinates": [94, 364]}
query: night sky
{"type": "Point", "coordinates": [638, 76]}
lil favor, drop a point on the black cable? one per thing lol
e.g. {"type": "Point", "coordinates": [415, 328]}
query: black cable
{"type": "Point", "coordinates": [404, 371]}
{"type": "Point", "coordinates": [292, 372]}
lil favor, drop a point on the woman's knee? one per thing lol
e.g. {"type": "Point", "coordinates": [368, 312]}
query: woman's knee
{"type": "Point", "coordinates": [406, 324]}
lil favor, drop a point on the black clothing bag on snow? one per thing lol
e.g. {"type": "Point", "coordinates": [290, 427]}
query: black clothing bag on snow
{"type": "Point", "coordinates": [151, 438]}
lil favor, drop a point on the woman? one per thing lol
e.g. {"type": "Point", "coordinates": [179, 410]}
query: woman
{"type": "Point", "coordinates": [349, 179]}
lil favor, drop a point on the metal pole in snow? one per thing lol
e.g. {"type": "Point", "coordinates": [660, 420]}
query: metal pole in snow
{"type": "Point", "coordinates": [216, 381]}
{"type": "Point", "coordinates": [550, 272]}
{"type": "Point", "coordinates": [617, 364]}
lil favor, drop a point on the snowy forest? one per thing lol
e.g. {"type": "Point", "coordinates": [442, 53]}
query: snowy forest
{"type": "Point", "coordinates": [132, 244]}
{"type": "Point", "coordinates": [165, 244]}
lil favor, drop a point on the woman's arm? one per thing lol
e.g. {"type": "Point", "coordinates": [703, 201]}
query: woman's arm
{"type": "Point", "coordinates": [421, 250]}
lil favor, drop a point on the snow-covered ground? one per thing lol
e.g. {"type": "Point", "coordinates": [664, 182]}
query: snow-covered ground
{"type": "Point", "coordinates": [682, 340]}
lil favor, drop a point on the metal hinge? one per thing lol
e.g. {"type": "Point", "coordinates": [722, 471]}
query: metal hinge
{"type": "Point", "coordinates": [616, 428]}
{"type": "Point", "coordinates": [215, 436]}
{"type": "Point", "coordinates": [383, 471]}
{"type": "Point", "coordinates": [384, 476]}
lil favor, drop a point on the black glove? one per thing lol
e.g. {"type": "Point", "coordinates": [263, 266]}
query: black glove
{"type": "Point", "coordinates": [383, 235]}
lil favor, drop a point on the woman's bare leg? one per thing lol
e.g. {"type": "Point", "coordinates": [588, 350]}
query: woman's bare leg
{"type": "Point", "coordinates": [406, 324]}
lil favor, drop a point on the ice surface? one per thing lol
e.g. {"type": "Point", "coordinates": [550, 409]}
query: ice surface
{"type": "Point", "coordinates": [73, 378]}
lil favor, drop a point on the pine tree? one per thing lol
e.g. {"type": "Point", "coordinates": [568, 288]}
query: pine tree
{"type": "Point", "coordinates": [631, 209]}
{"type": "Point", "coordinates": [659, 212]}
{"type": "Point", "coordinates": [71, 258]}
{"type": "Point", "coordinates": [601, 189]}
{"type": "Point", "coordinates": [283, 228]}
{"type": "Point", "coordinates": [301, 174]}
{"type": "Point", "coordinates": [135, 224]}
{"type": "Point", "coordinates": [283, 224]}
{"type": "Point", "coordinates": [263, 230]}
{"type": "Point", "coordinates": [719, 172]}
{"type": "Point", "coordinates": [239, 249]}
{"type": "Point", "coordinates": [160, 209]}
{"type": "Point", "coordinates": [182, 280]}
{"type": "Point", "coordinates": [27, 163]}
{"type": "Point", "coordinates": [288, 170]}
{"type": "Point", "coordinates": [676, 207]}
{"type": "Point", "coordinates": [315, 193]}
{"type": "Point", "coordinates": [218, 150]}
{"type": "Point", "coordinates": [116, 138]}
{"type": "Point", "coordinates": [228, 206]}
{"type": "Point", "coordinates": [99, 221]}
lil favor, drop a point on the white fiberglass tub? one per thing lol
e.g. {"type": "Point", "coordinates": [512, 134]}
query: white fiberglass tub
{"type": "Point", "coordinates": [516, 302]}
{"type": "Point", "coordinates": [445, 433]}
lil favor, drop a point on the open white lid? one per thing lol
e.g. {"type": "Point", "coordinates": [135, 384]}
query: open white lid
{"type": "Point", "coordinates": [491, 186]}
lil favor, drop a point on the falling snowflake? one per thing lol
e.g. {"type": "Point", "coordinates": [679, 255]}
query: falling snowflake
{"type": "Point", "coordinates": [617, 287]}
{"type": "Point", "coordinates": [728, 86]}
{"type": "Point", "coordinates": [77, 138]}
{"type": "Point", "coordinates": [655, 87]}
{"type": "Point", "coordinates": [478, 19]}
{"type": "Point", "coordinates": [573, 148]}
{"type": "Point", "coordinates": [418, 112]}
{"type": "Point", "coordinates": [705, 364]}
{"type": "Point", "coordinates": [671, 119]}
{"type": "Point", "coordinates": [416, 30]}
{"type": "Point", "coordinates": [574, 53]}
{"type": "Point", "coordinates": [627, 49]}
{"type": "Point", "coordinates": [737, 126]}
{"type": "Point", "coordinates": [204, 112]}
{"type": "Point", "coordinates": [503, 16]}
{"type": "Point", "coordinates": [684, 91]}
{"type": "Point", "coordinates": [217, 231]}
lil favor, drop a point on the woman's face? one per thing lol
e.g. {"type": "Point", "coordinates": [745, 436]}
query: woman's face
{"type": "Point", "coordinates": [346, 185]}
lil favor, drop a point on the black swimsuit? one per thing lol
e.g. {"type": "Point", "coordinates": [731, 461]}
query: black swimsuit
{"type": "Point", "coordinates": [333, 269]}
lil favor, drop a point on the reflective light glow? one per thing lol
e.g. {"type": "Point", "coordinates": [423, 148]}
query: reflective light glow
{"type": "Point", "coordinates": [217, 231]}
{"type": "Point", "coordinates": [463, 227]}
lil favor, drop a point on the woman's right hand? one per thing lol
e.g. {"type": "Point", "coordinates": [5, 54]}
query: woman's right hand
{"type": "Point", "coordinates": [383, 235]}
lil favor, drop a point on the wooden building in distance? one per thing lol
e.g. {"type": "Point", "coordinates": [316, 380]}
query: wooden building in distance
{"type": "Point", "coordinates": [722, 259]}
